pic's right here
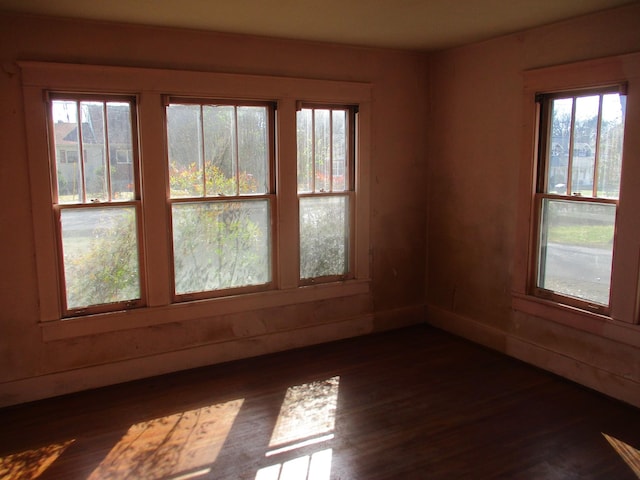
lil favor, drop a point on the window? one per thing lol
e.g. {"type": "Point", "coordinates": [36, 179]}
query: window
{"type": "Point", "coordinates": [325, 139]}
{"type": "Point", "coordinates": [577, 257]}
{"type": "Point", "coordinates": [96, 202]}
{"type": "Point", "coordinates": [221, 192]}
{"type": "Point", "coordinates": [179, 194]}
{"type": "Point", "coordinates": [580, 164]}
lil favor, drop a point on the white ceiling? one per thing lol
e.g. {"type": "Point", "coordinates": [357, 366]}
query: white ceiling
{"type": "Point", "coordinates": [407, 24]}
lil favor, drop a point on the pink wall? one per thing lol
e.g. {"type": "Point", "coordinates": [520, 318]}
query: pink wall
{"type": "Point", "coordinates": [475, 147]}
{"type": "Point", "coordinates": [31, 367]}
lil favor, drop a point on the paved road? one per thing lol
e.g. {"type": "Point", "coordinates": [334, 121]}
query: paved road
{"type": "Point", "coordinates": [584, 272]}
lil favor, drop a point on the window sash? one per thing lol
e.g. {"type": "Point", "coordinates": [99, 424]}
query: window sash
{"type": "Point", "coordinates": [106, 276]}
{"type": "Point", "coordinates": [545, 195]}
{"type": "Point", "coordinates": [319, 269]}
{"type": "Point", "coordinates": [207, 200]}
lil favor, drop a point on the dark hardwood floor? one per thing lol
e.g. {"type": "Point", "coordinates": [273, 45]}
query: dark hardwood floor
{"type": "Point", "coordinates": [416, 403]}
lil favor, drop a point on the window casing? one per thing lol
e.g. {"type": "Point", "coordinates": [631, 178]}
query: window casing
{"type": "Point", "coordinates": [151, 91]}
{"type": "Point", "coordinates": [616, 314]}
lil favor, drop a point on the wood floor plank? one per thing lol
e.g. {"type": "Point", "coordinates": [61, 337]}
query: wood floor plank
{"type": "Point", "coordinates": [415, 403]}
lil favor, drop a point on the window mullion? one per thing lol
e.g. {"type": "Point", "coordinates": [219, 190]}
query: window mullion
{"type": "Point", "coordinates": [596, 160]}
{"type": "Point", "coordinates": [107, 150]}
{"type": "Point", "coordinates": [571, 147]}
{"type": "Point", "coordinates": [83, 196]}
{"type": "Point", "coordinates": [202, 152]}
{"type": "Point", "coordinates": [288, 246]}
{"type": "Point", "coordinates": [331, 150]}
{"type": "Point", "coordinates": [155, 192]}
{"type": "Point", "coordinates": [313, 150]}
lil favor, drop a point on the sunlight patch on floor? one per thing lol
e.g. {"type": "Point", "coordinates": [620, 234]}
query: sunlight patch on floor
{"type": "Point", "coordinates": [306, 420]}
{"type": "Point", "coordinates": [630, 455]}
{"type": "Point", "coordinates": [177, 446]}
{"type": "Point", "coordinates": [307, 410]}
{"type": "Point", "coordinates": [310, 467]}
{"type": "Point", "coordinates": [31, 463]}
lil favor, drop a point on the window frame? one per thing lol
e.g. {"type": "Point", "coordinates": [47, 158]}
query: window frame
{"type": "Point", "coordinates": [85, 203]}
{"type": "Point", "coordinates": [349, 191]}
{"type": "Point", "coordinates": [620, 320]}
{"type": "Point", "coordinates": [270, 196]}
{"type": "Point", "coordinates": [151, 87]}
{"type": "Point", "coordinates": [542, 158]}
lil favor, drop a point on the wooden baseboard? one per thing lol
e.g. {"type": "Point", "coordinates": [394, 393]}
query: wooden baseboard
{"type": "Point", "coordinates": [61, 383]}
{"type": "Point", "coordinates": [609, 383]}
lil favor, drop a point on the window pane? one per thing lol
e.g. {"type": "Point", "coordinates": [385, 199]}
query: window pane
{"type": "Point", "coordinates": [252, 150]}
{"type": "Point", "coordinates": [576, 246]}
{"type": "Point", "coordinates": [121, 154]}
{"type": "Point", "coordinates": [584, 145]}
{"type": "Point", "coordinates": [610, 151]}
{"type": "Point", "coordinates": [93, 146]}
{"type": "Point", "coordinates": [560, 130]}
{"type": "Point", "coordinates": [305, 150]}
{"type": "Point", "coordinates": [100, 255]}
{"type": "Point", "coordinates": [324, 236]}
{"type": "Point", "coordinates": [339, 147]}
{"type": "Point", "coordinates": [221, 245]}
{"type": "Point", "coordinates": [184, 136]}
{"type": "Point", "coordinates": [322, 151]}
{"type": "Point", "coordinates": [220, 149]}
{"type": "Point", "coordinates": [67, 145]}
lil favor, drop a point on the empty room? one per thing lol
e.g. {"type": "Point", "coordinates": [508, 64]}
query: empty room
{"type": "Point", "coordinates": [282, 240]}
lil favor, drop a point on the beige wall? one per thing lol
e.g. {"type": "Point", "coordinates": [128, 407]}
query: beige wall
{"type": "Point", "coordinates": [475, 148]}
{"type": "Point", "coordinates": [31, 367]}
{"type": "Point", "coordinates": [457, 111]}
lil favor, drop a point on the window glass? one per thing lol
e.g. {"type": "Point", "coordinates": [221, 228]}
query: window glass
{"type": "Point", "coordinates": [324, 236]}
{"type": "Point", "coordinates": [100, 250]}
{"type": "Point", "coordinates": [610, 147]}
{"type": "Point", "coordinates": [576, 249]}
{"type": "Point", "coordinates": [219, 245]}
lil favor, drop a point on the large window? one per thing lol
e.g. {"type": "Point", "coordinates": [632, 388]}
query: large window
{"type": "Point", "coordinates": [325, 141]}
{"type": "Point", "coordinates": [221, 194]}
{"type": "Point", "coordinates": [167, 196]}
{"type": "Point", "coordinates": [96, 202]}
{"type": "Point", "coordinates": [577, 257]}
{"type": "Point", "coordinates": [580, 164]}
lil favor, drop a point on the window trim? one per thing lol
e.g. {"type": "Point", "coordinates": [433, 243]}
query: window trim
{"type": "Point", "coordinates": [621, 321]}
{"type": "Point", "coordinates": [152, 86]}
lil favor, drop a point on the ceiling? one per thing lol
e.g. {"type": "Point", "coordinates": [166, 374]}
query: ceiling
{"type": "Point", "coordinates": [406, 24]}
